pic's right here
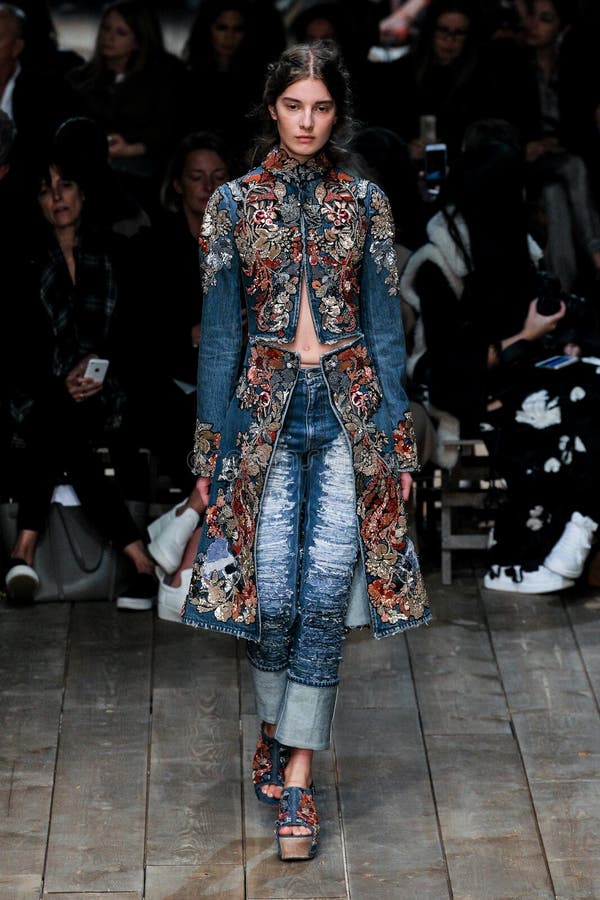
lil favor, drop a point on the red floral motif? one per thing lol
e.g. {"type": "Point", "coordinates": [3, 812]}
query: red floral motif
{"type": "Point", "coordinates": [404, 442]}
{"type": "Point", "coordinates": [356, 364]}
{"type": "Point", "coordinates": [307, 811]}
{"type": "Point", "coordinates": [383, 593]}
{"type": "Point", "coordinates": [264, 217]}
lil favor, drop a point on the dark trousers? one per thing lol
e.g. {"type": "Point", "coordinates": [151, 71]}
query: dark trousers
{"type": "Point", "coordinates": [60, 436]}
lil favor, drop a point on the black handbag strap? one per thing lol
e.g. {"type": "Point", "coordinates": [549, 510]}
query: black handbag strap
{"type": "Point", "coordinates": [76, 548]}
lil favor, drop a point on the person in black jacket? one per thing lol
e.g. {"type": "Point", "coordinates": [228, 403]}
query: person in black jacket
{"type": "Point", "coordinates": [61, 414]}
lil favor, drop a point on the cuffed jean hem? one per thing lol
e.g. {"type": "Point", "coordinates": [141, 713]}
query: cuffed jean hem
{"type": "Point", "coordinates": [305, 716]}
{"type": "Point", "coordinates": [269, 690]}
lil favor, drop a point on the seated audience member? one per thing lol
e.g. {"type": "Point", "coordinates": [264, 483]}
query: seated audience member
{"type": "Point", "coordinates": [60, 413]}
{"type": "Point", "coordinates": [168, 320]}
{"type": "Point", "coordinates": [226, 69]}
{"type": "Point", "coordinates": [488, 317]}
{"type": "Point", "coordinates": [37, 101]}
{"type": "Point", "coordinates": [437, 78]}
{"type": "Point", "coordinates": [561, 133]}
{"type": "Point", "coordinates": [136, 92]}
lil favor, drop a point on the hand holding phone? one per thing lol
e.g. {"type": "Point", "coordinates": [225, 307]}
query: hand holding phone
{"type": "Point", "coordinates": [96, 370]}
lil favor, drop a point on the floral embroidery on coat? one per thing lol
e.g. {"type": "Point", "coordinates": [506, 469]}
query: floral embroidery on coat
{"type": "Point", "coordinates": [215, 241]}
{"type": "Point", "coordinates": [206, 449]}
{"type": "Point", "coordinates": [382, 247]}
{"type": "Point", "coordinates": [274, 226]}
{"type": "Point", "coordinates": [223, 580]}
{"type": "Point", "coordinates": [394, 584]}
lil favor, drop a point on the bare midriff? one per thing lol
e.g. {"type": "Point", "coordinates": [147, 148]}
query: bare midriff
{"type": "Point", "coordinates": [306, 343]}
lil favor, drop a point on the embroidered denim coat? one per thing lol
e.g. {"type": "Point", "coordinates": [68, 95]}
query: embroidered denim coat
{"type": "Point", "coordinates": [262, 235]}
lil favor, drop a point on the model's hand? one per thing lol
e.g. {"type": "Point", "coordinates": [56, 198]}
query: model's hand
{"type": "Point", "coordinates": [203, 485]}
{"type": "Point", "coordinates": [196, 335]}
{"type": "Point", "coordinates": [406, 481]}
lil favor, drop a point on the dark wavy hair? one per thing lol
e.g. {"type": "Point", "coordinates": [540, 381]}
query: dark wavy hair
{"type": "Point", "coordinates": [321, 60]}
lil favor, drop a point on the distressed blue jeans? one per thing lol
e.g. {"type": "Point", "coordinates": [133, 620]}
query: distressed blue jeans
{"type": "Point", "coordinates": [307, 546]}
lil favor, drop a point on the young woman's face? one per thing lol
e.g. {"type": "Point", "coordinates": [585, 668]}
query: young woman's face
{"type": "Point", "coordinates": [305, 116]}
{"type": "Point", "coordinates": [227, 34]}
{"type": "Point", "coordinates": [542, 25]}
{"type": "Point", "coordinates": [449, 37]}
{"type": "Point", "coordinates": [117, 41]}
{"type": "Point", "coordinates": [203, 172]}
{"type": "Point", "coordinates": [61, 201]}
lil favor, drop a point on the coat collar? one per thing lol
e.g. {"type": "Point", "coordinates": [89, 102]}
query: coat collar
{"type": "Point", "coordinates": [279, 161]}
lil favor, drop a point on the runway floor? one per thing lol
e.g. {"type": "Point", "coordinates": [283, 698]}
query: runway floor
{"type": "Point", "coordinates": [465, 760]}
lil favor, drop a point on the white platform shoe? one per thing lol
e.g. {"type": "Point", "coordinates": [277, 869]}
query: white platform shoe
{"type": "Point", "coordinates": [171, 599]}
{"type": "Point", "coordinates": [516, 580]}
{"type": "Point", "coordinates": [170, 539]}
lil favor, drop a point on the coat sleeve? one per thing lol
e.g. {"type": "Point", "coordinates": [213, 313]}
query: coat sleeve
{"type": "Point", "coordinates": [221, 328]}
{"type": "Point", "coordinates": [381, 317]}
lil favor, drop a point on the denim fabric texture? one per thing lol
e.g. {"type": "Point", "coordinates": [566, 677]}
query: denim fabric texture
{"type": "Point", "coordinates": [264, 235]}
{"type": "Point", "coordinates": [307, 546]}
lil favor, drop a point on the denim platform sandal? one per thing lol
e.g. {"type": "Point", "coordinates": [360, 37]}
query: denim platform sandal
{"type": "Point", "coordinates": [297, 807]}
{"type": "Point", "coordinates": [268, 766]}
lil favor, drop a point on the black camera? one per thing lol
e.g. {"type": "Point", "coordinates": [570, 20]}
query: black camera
{"type": "Point", "coordinates": [550, 295]}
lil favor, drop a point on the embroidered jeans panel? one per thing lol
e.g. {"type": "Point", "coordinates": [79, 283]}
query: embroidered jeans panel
{"type": "Point", "coordinates": [307, 544]}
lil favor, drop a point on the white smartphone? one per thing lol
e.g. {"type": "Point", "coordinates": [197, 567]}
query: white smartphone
{"type": "Point", "coordinates": [96, 370]}
{"type": "Point", "coordinates": [436, 160]}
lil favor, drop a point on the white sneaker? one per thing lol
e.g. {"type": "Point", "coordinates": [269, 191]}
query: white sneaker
{"type": "Point", "coordinates": [158, 525]}
{"type": "Point", "coordinates": [168, 547]}
{"type": "Point", "coordinates": [569, 554]}
{"type": "Point", "coordinates": [518, 581]}
{"type": "Point", "coordinates": [171, 599]}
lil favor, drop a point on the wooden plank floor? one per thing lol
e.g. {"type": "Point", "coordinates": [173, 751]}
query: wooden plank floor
{"type": "Point", "coordinates": [465, 760]}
